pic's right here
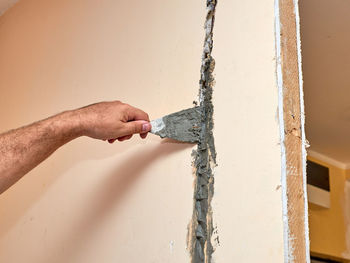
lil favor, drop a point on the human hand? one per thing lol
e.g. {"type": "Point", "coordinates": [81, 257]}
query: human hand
{"type": "Point", "coordinates": [113, 121]}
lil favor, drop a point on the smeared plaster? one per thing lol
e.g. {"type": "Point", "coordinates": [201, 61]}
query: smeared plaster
{"type": "Point", "coordinates": [183, 126]}
{"type": "Point", "coordinates": [201, 228]}
{"type": "Point", "coordinates": [171, 246]}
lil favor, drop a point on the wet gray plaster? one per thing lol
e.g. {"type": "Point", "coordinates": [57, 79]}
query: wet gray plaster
{"type": "Point", "coordinates": [183, 126]}
{"type": "Point", "coordinates": [205, 155]}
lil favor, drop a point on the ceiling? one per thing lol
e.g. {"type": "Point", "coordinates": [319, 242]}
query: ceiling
{"type": "Point", "coordinates": [325, 38]}
{"type": "Point", "coordinates": [6, 4]}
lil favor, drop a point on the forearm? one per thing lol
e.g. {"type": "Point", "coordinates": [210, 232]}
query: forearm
{"type": "Point", "coordinates": [23, 149]}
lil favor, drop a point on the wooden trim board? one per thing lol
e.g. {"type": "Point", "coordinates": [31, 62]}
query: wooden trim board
{"type": "Point", "coordinates": [293, 142]}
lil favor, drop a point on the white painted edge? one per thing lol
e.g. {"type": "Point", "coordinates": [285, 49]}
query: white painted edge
{"type": "Point", "coordinates": [303, 136]}
{"type": "Point", "coordinates": [318, 196]}
{"type": "Point", "coordinates": [288, 255]}
{"type": "Point", "coordinates": [329, 160]}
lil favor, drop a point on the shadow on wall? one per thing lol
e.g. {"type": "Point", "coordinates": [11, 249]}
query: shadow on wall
{"type": "Point", "coordinates": [109, 194]}
{"type": "Point", "coordinates": [34, 185]}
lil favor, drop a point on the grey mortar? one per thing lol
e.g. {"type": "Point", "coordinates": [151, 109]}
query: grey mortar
{"type": "Point", "coordinates": [205, 155]}
{"type": "Point", "coordinates": [183, 126]}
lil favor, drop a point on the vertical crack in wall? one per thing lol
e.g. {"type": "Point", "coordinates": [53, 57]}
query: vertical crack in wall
{"type": "Point", "coordinates": [201, 228]}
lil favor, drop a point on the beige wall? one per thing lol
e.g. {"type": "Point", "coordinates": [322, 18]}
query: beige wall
{"type": "Point", "coordinates": [247, 199]}
{"type": "Point", "coordinates": [131, 202]}
{"type": "Point", "coordinates": [94, 202]}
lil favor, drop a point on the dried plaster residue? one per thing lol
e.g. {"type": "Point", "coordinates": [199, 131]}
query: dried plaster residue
{"type": "Point", "coordinates": [201, 227]}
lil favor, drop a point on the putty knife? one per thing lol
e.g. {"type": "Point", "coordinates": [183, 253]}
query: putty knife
{"type": "Point", "coordinates": [182, 126]}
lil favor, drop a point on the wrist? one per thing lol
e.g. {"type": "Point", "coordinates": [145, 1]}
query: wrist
{"type": "Point", "coordinates": [69, 125]}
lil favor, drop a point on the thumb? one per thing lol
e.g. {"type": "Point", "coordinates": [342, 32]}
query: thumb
{"type": "Point", "coordinates": [133, 127]}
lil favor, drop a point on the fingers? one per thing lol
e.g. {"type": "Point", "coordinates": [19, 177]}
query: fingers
{"type": "Point", "coordinates": [127, 137]}
{"type": "Point", "coordinates": [137, 114]}
{"type": "Point", "coordinates": [136, 121]}
{"type": "Point", "coordinates": [124, 138]}
{"type": "Point", "coordinates": [143, 135]}
{"type": "Point", "coordinates": [134, 127]}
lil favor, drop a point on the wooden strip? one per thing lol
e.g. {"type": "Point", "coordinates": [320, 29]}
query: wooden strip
{"type": "Point", "coordinates": [297, 251]}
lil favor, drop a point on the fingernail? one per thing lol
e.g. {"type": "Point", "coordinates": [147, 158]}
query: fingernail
{"type": "Point", "coordinates": [146, 127]}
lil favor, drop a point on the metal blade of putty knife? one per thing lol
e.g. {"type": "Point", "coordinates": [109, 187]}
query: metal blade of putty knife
{"type": "Point", "coordinates": [182, 126]}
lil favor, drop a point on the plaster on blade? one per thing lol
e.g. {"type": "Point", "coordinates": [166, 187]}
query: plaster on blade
{"type": "Point", "coordinates": [182, 126]}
